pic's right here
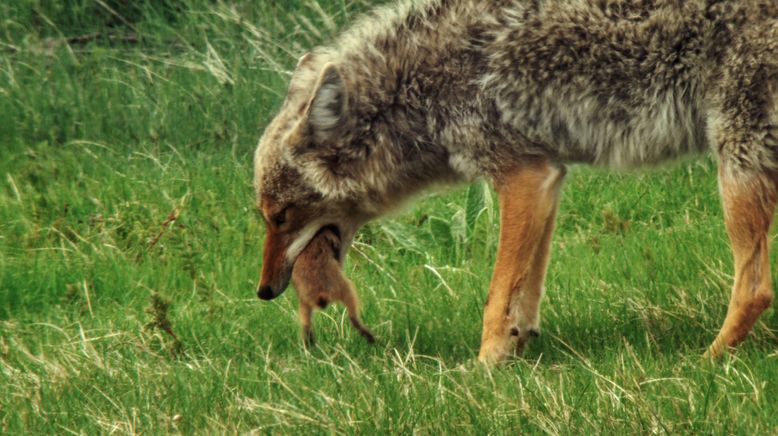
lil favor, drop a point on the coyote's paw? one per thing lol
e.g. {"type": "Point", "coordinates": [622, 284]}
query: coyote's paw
{"type": "Point", "coordinates": [525, 319]}
{"type": "Point", "coordinates": [494, 354]}
{"type": "Point", "coordinates": [496, 346]}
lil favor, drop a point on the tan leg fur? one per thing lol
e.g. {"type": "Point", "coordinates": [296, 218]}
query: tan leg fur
{"type": "Point", "coordinates": [749, 202]}
{"type": "Point", "coordinates": [528, 198]}
{"type": "Point", "coordinates": [525, 307]}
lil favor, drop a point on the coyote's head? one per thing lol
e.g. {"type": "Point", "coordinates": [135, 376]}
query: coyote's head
{"type": "Point", "coordinates": [307, 170]}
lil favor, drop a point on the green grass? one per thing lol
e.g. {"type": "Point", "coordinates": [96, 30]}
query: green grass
{"type": "Point", "coordinates": [155, 116]}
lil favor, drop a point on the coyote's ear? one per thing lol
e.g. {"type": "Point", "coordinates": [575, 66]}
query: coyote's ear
{"type": "Point", "coordinates": [304, 59]}
{"type": "Point", "coordinates": [327, 108]}
{"type": "Point", "coordinates": [298, 83]}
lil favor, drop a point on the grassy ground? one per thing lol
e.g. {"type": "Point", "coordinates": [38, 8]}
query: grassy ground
{"type": "Point", "coordinates": [126, 215]}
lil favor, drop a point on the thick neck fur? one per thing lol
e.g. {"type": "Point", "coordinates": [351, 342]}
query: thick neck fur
{"type": "Point", "coordinates": [412, 72]}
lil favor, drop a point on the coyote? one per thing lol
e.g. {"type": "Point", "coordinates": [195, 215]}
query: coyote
{"type": "Point", "coordinates": [318, 279]}
{"type": "Point", "coordinates": [433, 92]}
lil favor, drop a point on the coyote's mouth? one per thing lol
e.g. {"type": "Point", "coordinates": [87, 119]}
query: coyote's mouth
{"type": "Point", "coordinates": [331, 227]}
{"type": "Point", "coordinates": [336, 249]}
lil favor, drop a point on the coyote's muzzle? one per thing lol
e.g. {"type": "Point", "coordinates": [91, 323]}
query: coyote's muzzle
{"type": "Point", "coordinates": [276, 270]}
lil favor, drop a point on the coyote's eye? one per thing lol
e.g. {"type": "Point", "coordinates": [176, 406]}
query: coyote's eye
{"type": "Point", "coordinates": [280, 218]}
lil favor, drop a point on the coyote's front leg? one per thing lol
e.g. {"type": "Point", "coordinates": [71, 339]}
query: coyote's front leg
{"type": "Point", "coordinates": [525, 306]}
{"type": "Point", "coordinates": [528, 198]}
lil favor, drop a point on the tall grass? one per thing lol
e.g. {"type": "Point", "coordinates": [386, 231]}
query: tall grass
{"type": "Point", "coordinates": [129, 252]}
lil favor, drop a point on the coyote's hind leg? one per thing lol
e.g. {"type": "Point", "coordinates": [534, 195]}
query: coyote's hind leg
{"type": "Point", "coordinates": [743, 130]}
{"type": "Point", "coordinates": [749, 201]}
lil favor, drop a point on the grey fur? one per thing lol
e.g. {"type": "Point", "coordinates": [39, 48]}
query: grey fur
{"type": "Point", "coordinates": [443, 91]}
{"type": "Point", "coordinates": [430, 92]}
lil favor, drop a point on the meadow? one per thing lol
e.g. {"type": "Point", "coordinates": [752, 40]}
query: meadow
{"type": "Point", "coordinates": [130, 250]}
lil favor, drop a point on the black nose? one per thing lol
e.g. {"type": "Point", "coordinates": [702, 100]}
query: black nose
{"type": "Point", "coordinates": [266, 293]}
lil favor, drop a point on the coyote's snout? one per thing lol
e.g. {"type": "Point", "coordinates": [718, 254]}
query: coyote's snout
{"type": "Point", "coordinates": [276, 270]}
{"type": "Point", "coordinates": [433, 92]}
